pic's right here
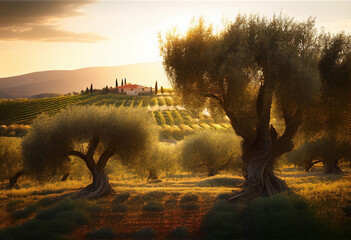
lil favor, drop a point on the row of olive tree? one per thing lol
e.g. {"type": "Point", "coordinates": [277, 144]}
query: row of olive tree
{"type": "Point", "coordinates": [97, 134]}
{"type": "Point", "coordinates": [56, 145]}
{"type": "Point", "coordinates": [253, 68]}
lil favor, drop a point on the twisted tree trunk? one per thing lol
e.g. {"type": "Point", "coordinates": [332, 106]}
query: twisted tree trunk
{"type": "Point", "coordinates": [331, 167]}
{"type": "Point", "coordinates": [100, 186]}
{"type": "Point", "coordinates": [262, 145]}
{"type": "Point", "coordinates": [152, 176]}
{"type": "Point", "coordinates": [259, 170]}
{"type": "Point", "coordinates": [13, 180]}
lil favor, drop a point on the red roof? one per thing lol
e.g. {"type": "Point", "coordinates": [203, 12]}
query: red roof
{"type": "Point", "coordinates": [128, 85]}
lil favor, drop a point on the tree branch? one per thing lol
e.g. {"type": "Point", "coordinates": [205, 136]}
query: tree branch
{"type": "Point", "coordinates": [105, 156]}
{"type": "Point", "coordinates": [214, 97]}
{"type": "Point", "coordinates": [92, 145]}
{"type": "Point", "coordinates": [78, 154]}
{"type": "Point", "coordinates": [285, 142]}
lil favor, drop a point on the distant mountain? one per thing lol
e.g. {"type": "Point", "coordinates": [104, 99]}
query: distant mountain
{"type": "Point", "coordinates": [65, 81]}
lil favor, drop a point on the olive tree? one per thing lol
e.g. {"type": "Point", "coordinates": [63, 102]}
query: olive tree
{"type": "Point", "coordinates": [244, 69]}
{"type": "Point", "coordinates": [210, 151]}
{"type": "Point", "coordinates": [103, 131]}
{"type": "Point", "coordinates": [330, 119]}
{"type": "Point", "coordinates": [11, 165]}
{"type": "Point", "coordinates": [323, 150]}
{"type": "Point", "coordinates": [160, 157]}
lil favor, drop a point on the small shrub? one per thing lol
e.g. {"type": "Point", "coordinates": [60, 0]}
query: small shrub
{"type": "Point", "coordinates": [44, 202]}
{"type": "Point", "coordinates": [153, 101]}
{"type": "Point", "coordinates": [179, 233]}
{"type": "Point", "coordinates": [223, 221]}
{"type": "Point", "coordinates": [146, 233]}
{"type": "Point", "coordinates": [168, 117]}
{"type": "Point", "coordinates": [169, 101]}
{"type": "Point", "coordinates": [189, 201]}
{"type": "Point", "coordinates": [186, 130]}
{"type": "Point", "coordinates": [51, 223]}
{"type": "Point", "coordinates": [153, 206]}
{"type": "Point", "coordinates": [145, 102]}
{"type": "Point", "coordinates": [189, 206]}
{"type": "Point", "coordinates": [120, 208]}
{"type": "Point", "coordinates": [177, 134]}
{"type": "Point", "coordinates": [166, 132]}
{"type": "Point", "coordinates": [12, 204]}
{"type": "Point", "coordinates": [171, 203]}
{"type": "Point", "coordinates": [161, 101]}
{"type": "Point", "coordinates": [103, 233]}
{"type": "Point", "coordinates": [189, 197]}
{"type": "Point", "coordinates": [154, 196]}
{"type": "Point", "coordinates": [221, 182]}
{"type": "Point", "coordinates": [159, 118]}
{"type": "Point", "coordinates": [26, 212]}
{"type": "Point", "coordinates": [177, 118]}
{"type": "Point", "coordinates": [120, 198]}
{"type": "Point", "coordinates": [276, 217]}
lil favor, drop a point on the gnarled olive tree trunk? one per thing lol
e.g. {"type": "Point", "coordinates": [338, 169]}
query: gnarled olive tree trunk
{"type": "Point", "coordinates": [331, 167]}
{"type": "Point", "coordinates": [100, 186]}
{"type": "Point", "coordinates": [262, 147]}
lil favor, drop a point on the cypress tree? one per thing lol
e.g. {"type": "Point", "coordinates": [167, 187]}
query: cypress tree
{"type": "Point", "coordinates": [125, 81]}
{"type": "Point", "coordinates": [91, 88]}
{"type": "Point", "coordinates": [162, 91]}
{"type": "Point", "coordinates": [106, 88]}
{"type": "Point", "coordinates": [122, 82]}
{"type": "Point", "coordinates": [87, 90]}
{"type": "Point", "coordinates": [116, 83]}
{"type": "Point", "coordinates": [156, 88]}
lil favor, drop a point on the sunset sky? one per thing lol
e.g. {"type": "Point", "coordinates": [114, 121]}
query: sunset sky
{"type": "Point", "coordinates": [48, 35]}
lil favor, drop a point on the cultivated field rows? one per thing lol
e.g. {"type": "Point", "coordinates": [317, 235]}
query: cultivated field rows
{"type": "Point", "coordinates": [174, 121]}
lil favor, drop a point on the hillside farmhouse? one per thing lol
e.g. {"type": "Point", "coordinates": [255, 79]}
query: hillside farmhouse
{"type": "Point", "coordinates": [134, 89]}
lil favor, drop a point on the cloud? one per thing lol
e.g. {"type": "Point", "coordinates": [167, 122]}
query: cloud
{"type": "Point", "coordinates": [38, 21]}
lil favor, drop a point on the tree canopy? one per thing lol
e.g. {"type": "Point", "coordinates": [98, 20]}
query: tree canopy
{"type": "Point", "coordinates": [253, 63]}
{"type": "Point", "coordinates": [92, 133]}
{"type": "Point", "coordinates": [211, 152]}
{"type": "Point", "coordinates": [10, 158]}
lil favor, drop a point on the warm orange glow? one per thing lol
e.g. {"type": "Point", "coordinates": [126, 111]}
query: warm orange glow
{"type": "Point", "coordinates": [111, 33]}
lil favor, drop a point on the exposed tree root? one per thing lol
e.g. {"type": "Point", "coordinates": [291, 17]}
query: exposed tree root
{"type": "Point", "coordinates": [152, 175]}
{"type": "Point", "coordinates": [333, 168]}
{"type": "Point", "coordinates": [100, 187]}
{"type": "Point", "coordinates": [265, 184]}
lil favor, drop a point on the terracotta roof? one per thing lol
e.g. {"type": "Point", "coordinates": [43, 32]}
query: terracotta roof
{"type": "Point", "coordinates": [128, 85]}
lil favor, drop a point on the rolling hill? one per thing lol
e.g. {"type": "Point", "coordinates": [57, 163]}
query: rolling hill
{"type": "Point", "coordinates": [64, 81]}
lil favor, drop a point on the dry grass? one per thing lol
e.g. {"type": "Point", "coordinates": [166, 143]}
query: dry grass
{"type": "Point", "coordinates": [329, 194]}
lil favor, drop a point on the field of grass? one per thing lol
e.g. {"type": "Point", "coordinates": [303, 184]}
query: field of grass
{"type": "Point", "coordinates": [180, 201]}
{"type": "Point", "coordinates": [182, 122]}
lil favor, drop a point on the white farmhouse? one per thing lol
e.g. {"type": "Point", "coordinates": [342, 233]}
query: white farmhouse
{"type": "Point", "coordinates": [134, 89]}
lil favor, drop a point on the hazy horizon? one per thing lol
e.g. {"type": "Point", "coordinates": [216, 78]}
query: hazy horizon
{"type": "Point", "coordinates": [67, 35]}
